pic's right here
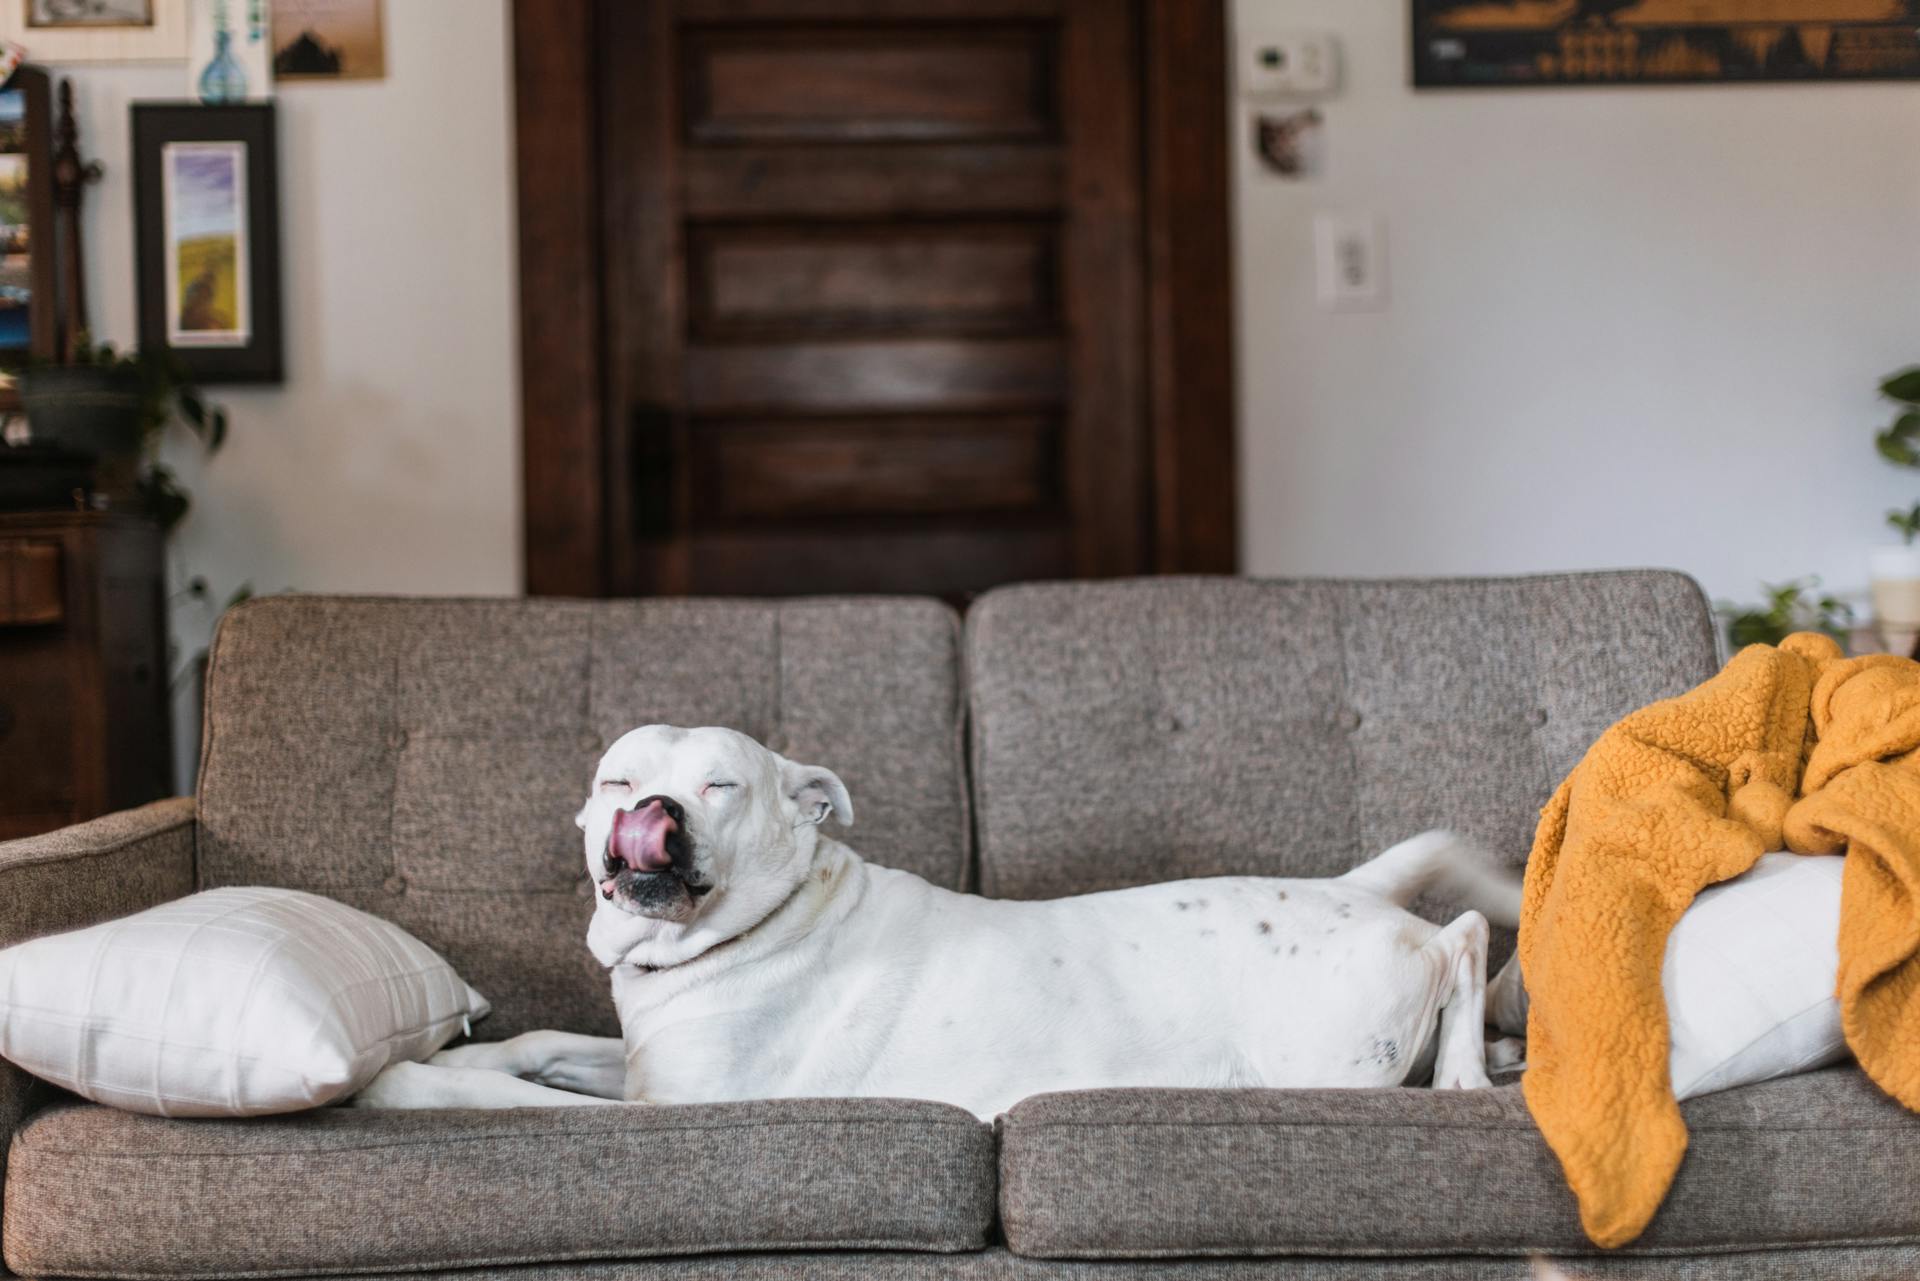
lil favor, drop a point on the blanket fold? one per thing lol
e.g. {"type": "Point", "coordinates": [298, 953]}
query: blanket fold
{"type": "Point", "coordinates": [1790, 747]}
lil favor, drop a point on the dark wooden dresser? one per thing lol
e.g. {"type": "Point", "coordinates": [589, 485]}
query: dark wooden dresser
{"type": "Point", "coordinates": [83, 668]}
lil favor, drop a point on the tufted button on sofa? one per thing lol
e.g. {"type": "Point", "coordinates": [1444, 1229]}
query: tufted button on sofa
{"type": "Point", "coordinates": [422, 759]}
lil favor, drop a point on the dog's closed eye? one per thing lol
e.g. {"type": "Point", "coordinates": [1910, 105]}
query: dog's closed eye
{"type": "Point", "coordinates": [621, 783]}
{"type": "Point", "coordinates": [716, 785]}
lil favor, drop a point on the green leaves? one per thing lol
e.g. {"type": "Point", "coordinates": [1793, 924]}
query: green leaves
{"type": "Point", "coordinates": [1790, 607]}
{"type": "Point", "coordinates": [1903, 386]}
{"type": "Point", "coordinates": [209, 422]}
{"type": "Point", "coordinates": [1900, 443]}
{"type": "Point", "coordinates": [1907, 522]}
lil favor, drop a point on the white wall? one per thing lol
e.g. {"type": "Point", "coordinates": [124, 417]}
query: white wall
{"type": "Point", "coordinates": [1628, 326]}
{"type": "Point", "coordinates": [389, 459]}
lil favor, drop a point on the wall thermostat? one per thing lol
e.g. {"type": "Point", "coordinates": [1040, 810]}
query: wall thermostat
{"type": "Point", "coordinates": [1287, 64]}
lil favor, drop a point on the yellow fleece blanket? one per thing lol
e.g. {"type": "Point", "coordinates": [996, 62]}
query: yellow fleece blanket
{"type": "Point", "coordinates": [1794, 747]}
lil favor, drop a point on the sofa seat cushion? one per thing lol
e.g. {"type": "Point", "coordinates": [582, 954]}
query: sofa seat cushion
{"type": "Point", "coordinates": [1118, 1174]}
{"type": "Point", "coordinates": [93, 1192]}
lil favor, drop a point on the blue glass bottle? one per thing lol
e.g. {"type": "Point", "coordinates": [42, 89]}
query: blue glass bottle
{"type": "Point", "coordinates": [223, 80]}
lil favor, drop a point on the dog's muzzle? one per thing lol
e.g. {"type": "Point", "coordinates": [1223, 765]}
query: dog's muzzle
{"type": "Point", "coordinates": [649, 860]}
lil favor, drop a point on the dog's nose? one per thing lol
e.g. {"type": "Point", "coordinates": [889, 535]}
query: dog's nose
{"type": "Point", "coordinates": [639, 838]}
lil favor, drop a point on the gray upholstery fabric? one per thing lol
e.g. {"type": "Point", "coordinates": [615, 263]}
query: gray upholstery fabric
{"type": "Point", "coordinates": [78, 876]}
{"type": "Point", "coordinates": [1822, 1158]}
{"type": "Point", "coordinates": [92, 872]}
{"type": "Point", "coordinates": [423, 759]}
{"type": "Point", "coordinates": [1153, 729]}
{"type": "Point", "coordinates": [1887, 1263]}
{"type": "Point", "coordinates": [96, 1192]}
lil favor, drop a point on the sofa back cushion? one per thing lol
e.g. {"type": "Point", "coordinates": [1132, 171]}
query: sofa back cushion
{"type": "Point", "coordinates": [423, 759]}
{"type": "Point", "coordinates": [1147, 730]}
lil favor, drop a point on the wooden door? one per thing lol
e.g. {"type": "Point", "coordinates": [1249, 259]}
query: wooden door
{"type": "Point", "coordinates": [873, 296]}
{"type": "Point", "coordinates": [856, 298]}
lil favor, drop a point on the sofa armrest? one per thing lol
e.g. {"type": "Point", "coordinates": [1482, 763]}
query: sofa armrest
{"type": "Point", "coordinates": [91, 872]}
{"type": "Point", "coordinates": [81, 875]}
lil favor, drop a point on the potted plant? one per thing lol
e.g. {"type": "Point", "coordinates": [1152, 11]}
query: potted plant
{"type": "Point", "coordinates": [114, 407]}
{"type": "Point", "coordinates": [1895, 571]}
{"type": "Point", "coordinates": [1789, 608]}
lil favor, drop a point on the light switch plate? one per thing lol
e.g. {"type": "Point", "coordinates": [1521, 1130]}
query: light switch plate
{"type": "Point", "coordinates": [1287, 64]}
{"type": "Point", "coordinates": [1350, 261]}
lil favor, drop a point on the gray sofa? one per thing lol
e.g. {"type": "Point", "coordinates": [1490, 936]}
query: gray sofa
{"type": "Point", "coordinates": [422, 759]}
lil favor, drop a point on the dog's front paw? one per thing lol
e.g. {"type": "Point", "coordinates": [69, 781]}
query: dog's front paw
{"type": "Point", "coordinates": [399, 1085]}
{"type": "Point", "coordinates": [490, 1056]}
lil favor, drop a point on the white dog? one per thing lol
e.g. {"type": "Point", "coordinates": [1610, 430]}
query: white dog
{"type": "Point", "coordinates": [753, 957]}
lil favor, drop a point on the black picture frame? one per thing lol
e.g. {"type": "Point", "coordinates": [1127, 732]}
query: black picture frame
{"type": "Point", "coordinates": [1605, 52]}
{"type": "Point", "coordinates": [35, 142]}
{"type": "Point", "coordinates": [252, 353]}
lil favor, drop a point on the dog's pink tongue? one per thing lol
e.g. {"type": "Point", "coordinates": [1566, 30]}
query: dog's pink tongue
{"type": "Point", "coordinates": [640, 837]}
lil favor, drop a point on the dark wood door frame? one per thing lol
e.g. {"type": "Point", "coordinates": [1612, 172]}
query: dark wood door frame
{"type": "Point", "coordinates": [1187, 364]}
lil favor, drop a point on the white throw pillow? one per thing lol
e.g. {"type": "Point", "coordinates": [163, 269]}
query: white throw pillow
{"type": "Point", "coordinates": [233, 1002]}
{"type": "Point", "coordinates": [1750, 973]}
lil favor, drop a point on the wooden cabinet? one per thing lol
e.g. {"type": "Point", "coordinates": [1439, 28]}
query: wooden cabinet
{"type": "Point", "coordinates": [83, 670]}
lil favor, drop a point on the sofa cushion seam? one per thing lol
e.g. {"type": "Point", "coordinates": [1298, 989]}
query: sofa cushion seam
{"type": "Point", "coordinates": [25, 1144]}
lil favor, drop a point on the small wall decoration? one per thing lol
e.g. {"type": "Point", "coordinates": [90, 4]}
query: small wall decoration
{"type": "Point", "coordinates": [1288, 144]}
{"type": "Point", "coordinates": [27, 294]}
{"type": "Point", "coordinates": [97, 30]}
{"type": "Point", "coordinates": [1464, 43]}
{"type": "Point", "coordinates": [229, 51]}
{"type": "Point", "coordinates": [328, 40]}
{"type": "Point", "coordinates": [205, 187]}
{"type": "Point", "coordinates": [89, 13]}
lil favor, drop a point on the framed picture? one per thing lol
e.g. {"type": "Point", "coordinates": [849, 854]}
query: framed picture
{"type": "Point", "coordinates": [99, 30]}
{"type": "Point", "coordinates": [207, 232]}
{"type": "Point", "coordinates": [328, 40]}
{"type": "Point", "coordinates": [28, 307]}
{"type": "Point", "coordinates": [48, 14]}
{"type": "Point", "coordinates": [1492, 43]}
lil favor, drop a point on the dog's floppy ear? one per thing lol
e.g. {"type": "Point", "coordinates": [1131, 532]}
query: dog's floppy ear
{"type": "Point", "coordinates": [817, 791]}
{"type": "Point", "coordinates": [580, 819]}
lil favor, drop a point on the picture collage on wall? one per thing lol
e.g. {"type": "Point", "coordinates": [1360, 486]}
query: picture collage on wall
{"type": "Point", "coordinates": [205, 168]}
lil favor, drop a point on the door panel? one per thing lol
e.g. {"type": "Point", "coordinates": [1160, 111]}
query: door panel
{"type": "Point", "coordinates": [874, 180]}
{"type": "Point", "coordinates": [909, 374]}
{"type": "Point", "coordinates": [894, 466]}
{"type": "Point", "coordinates": [891, 83]}
{"type": "Point", "coordinates": [873, 294]}
{"type": "Point", "coordinates": [755, 282]}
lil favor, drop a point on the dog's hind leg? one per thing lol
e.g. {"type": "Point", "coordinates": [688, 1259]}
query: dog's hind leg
{"type": "Point", "coordinates": [1507, 999]}
{"type": "Point", "coordinates": [1461, 1060]}
{"type": "Point", "coordinates": [1448, 864]}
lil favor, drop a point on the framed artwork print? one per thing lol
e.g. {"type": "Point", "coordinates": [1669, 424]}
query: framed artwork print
{"type": "Point", "coordinates": [99, 30]}
{"type": "Point", "coordinates": [46, 14]}
{"type": "Point", "coordinates": [27, 304]}
{"type": "Point", "coordinates": [328, 40]}
{"type": "Point", "coordinates": [207, 230]}
{"type": "Point", "coordinates": [1495, 43]}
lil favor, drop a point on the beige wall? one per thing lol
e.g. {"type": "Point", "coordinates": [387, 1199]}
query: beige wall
{"type": "Point", "coordinates": [388, 462]}
{"type": "Point", "coordinates": [1628, 325]}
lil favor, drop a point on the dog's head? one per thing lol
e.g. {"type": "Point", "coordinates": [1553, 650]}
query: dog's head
{"type": "Point", "coordinates": [697, 832]}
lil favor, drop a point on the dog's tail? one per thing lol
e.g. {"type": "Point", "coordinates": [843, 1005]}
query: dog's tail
{"type": "Point", "coordinates": [1449, 864]}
